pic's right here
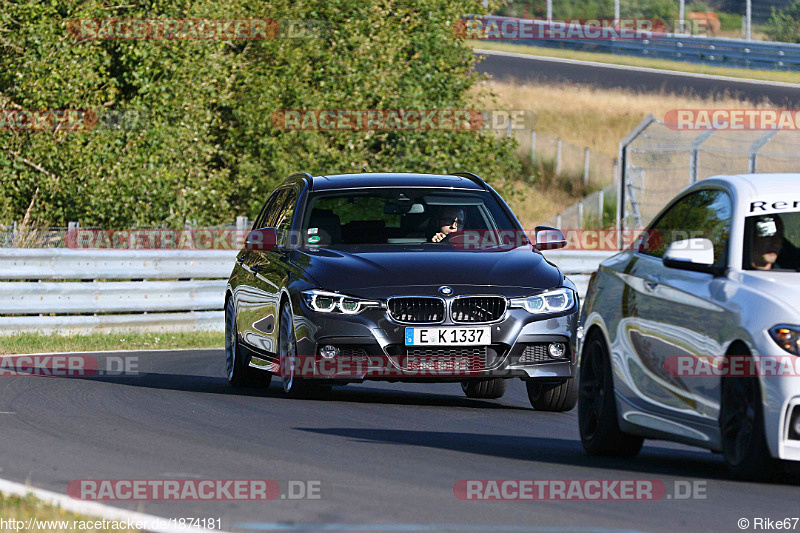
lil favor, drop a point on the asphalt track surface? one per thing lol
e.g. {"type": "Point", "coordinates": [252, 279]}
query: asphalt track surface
{"type": "Point", "coordinates": [537, 69]}
{"type": "Point", "coordinates": [387, 455]}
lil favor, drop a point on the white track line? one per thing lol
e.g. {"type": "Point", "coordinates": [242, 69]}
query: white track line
{"type": "Point", "coordinates": [112, 351]}
{"type": "Point", "coordinates": [638, 69]}
{"type": "Point", "coordinates": [156, 524]}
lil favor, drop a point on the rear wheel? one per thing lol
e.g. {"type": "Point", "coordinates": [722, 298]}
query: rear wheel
{"type": "Point", "coordinates": [741, 419]}
{"type": "Point", "coordinates": [484, 389]}
{"type": "Point", "coordinates": [239, 373]}
{"type": "Point", "coordinates": [552, 396]}
{"type": "Point", "coordinates": [597, 409]}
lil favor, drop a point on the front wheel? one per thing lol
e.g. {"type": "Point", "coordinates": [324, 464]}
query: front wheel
{"type": "Point", "coordinates": [597, 409]}
{"type": "Point", "coordinates": [484, 389]}
{"type": "Point", "coordinates": [552, 396]}
{"type": "Point", "coordinates": [239, 373]}
{"type": "Point", "coordinates": [294, 385]}
{"type": "Point", "coordinates": [744, 441]}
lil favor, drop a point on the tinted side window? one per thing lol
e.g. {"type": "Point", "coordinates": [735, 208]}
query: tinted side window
{"type": "Point", "coordinates": [259, 222]}
{"type": "Point", "coordinates": [702, 214]}
{"type": "Point", "coordinates": [284, 221]}
{"type": "Point", "coordinates": [273, 210]}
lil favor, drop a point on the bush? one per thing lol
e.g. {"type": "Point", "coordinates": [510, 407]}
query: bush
{"type": "Point", "coordinates": [784, 25]}
{"type": "Point", "coordinates": [207, 150]}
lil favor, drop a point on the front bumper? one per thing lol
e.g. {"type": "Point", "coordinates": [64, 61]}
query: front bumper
{"type": "Point", "coordinates": [372, 347]}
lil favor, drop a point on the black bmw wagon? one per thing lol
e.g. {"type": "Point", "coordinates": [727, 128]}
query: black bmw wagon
{"type": "Point", "coordinates": [399, 277]}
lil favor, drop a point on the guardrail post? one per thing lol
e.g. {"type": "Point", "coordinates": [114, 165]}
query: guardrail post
{"type": "Point", "coordinates": [72, 226]}
{"type": "Point", "coordinates": [558, 221]}
{"type": "Point", "coordinates": [241, 224]}
{"type": "Point", "coordinates": [586, 166]}
{"type": "Point", "coordinates": [508, 128]}
{"type": "Point", "coordinates": [533, 145]}
{"type": "Point", "coordinates": [558, 156]}
{"type": "Point", "coordinates": [580, 214]}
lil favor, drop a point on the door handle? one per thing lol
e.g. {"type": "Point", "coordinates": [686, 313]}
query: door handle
{"type": "Point", "coordinates": [651, 281]}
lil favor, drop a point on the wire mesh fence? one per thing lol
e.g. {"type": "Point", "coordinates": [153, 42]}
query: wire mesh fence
{"type": "Point", "coordinates": [658, 162]}
{"type": "Point", "coordinates": [20, 236]}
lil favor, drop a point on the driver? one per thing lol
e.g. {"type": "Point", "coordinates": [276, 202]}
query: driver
{"type": "Point", "coordinates": [767, 242]}
{"type": "Point", "coordinates": [450, 220]}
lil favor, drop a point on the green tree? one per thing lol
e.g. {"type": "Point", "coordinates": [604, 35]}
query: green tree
{"type": "Point", "coordinates": [784, 25]}
{"type": "Point", "coordinates": [206, 149]}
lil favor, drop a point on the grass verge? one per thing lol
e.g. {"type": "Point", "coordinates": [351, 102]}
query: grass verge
{"type": "Point", "coordinates": [36, 343]}
{"type": "Point", "coordinates": [48, 518]}
{"type": "Point", "coordinates": [633, 61]}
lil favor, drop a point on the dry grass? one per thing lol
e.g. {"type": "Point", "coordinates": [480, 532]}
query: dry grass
{"type": "Point", "coordinates": [594, 117]}
{"type": "Point", "coordinates": [584, 116]}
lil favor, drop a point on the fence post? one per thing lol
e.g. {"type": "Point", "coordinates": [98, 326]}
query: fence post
{"type": "Point", "coordinates": [600, 206]}
{"type": "Point", "coordinates": [580, 215]}
{"type": "Point", "coordinates": [72, 226]}
{"type": "Point", "coordinates": [533, 145]}
{"type": "Point", "coordinates": [508, 128]}
{"type": "Point", "coordinates": [558, 221]}
{"type": "Point", "coordinates": [586, 166]}
{"type": "Point", "coordinates": [752, 159]}
{"type": "Point", "coordinates": [558, 156]}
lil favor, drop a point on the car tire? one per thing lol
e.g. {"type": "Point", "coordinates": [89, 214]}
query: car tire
{"type": "Point", "coordinates": [597, 409]}
{"type": "Point", "coordinates": [552, 396]}
{"type": "Point", "coordinates": [239, 373]}
{"type": "Point", "coordinates": [741, 420]}
{"type": "Point", "coordinates": [484, 389]}
{"type": "Point", "coordinates": [295, 386]}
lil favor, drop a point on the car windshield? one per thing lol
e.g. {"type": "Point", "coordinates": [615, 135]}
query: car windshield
{"type": "Point", "coordinates": [413, 217]}
{"type": "Point", "coordinates": [772, 242]}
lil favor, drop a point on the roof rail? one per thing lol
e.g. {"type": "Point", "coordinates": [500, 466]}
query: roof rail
{"type": "Point", "coordinates": [304, 175]}
{"type": "Point", "coordinates": [472, 177]}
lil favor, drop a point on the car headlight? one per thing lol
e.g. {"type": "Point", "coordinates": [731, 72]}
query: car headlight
{"type": "Point", "coordinates": [548, 302]}
{"type": "Point", "coordinates": [787, 337]}
{"type": "Point", "coordinates": [332, 302]}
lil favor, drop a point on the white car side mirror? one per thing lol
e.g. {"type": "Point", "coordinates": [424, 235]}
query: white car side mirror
{"type": "Point", "coordinates": [698, 251]}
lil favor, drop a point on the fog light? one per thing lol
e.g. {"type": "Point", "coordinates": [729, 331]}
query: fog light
{"type": "Point", "coordinates": [794, 427]}
{"type": "Point", "coordinates": [556, 350]}
{"type": "Point", "coordinates": [329, 351]}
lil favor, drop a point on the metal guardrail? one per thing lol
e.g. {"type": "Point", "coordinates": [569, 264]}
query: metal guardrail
{"type": "Point", "coordinates": [112, 290]}
{"type": "Point", "coordinates": [72, 296]}
{"type": "Point", "coordinates": [695, 49]}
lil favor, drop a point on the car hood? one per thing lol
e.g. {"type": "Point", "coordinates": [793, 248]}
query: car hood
{"type": "Point", "coordinates": [783, 287]}
{"type": "Point", "coordinates": [364, 269]}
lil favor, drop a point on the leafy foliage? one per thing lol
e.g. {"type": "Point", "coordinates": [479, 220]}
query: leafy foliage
{"type": "Point", "coordinates": [784, 25]}
{"type": "Point", "coordinates": [205, 149]}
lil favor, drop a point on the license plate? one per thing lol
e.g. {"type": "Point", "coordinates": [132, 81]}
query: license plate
{"type": "Point", "coordinates": [448, 336]}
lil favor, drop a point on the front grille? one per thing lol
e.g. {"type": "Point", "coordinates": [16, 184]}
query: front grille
{"type": "Point", "coordinates": [477, 309]}
{"type": "Point", "coordinates": [445, 359]}
{"type": "Point", "coordinates": [447, 351]}
{"type": "Point", "coordinates": [417, 310]}
{"type": "Point", "coordinates": [537, 353]}
{"type": "Point", "coordinates": [348, 350]}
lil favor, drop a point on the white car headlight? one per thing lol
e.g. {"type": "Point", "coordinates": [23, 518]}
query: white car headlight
{"type": "Point", "coordinates": [332, 302]}
{"type": "Point", "coordinates": [548, 302]}
{"type": "Point", "coordinates": [787, 337]}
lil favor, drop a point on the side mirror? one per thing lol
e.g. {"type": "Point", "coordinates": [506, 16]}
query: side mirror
{"type": "Point", "coordinates": [692, 254]}
{"type": "Point", "coordinates": [262, 240]}
{"type": "Point", "coordinates": [548, 238]}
